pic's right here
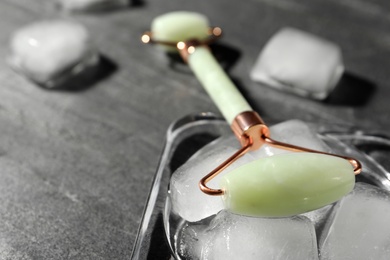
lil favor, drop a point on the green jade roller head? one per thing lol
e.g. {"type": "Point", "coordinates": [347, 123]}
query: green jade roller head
{"type": "Point", "coordinates": [168, 32]}
{"type": "Point", "coordinates": [287, 184]}
{"type": "Point", "coordinates": [276, 186]}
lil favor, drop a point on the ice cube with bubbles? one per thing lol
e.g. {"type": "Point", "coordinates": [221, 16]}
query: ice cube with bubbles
{"type": "Point", "coordinates": [359, 226]}
{"type": "Point", "coordinates": [231, 236]}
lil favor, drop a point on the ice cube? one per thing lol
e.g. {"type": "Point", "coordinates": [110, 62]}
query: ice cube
{"type": "Point", "coordinates": [299, 62]}
{"type": "Point", "coordinates": [188, 200]}
{"type": "Point", "coordinates": [191, 239]}
{"type": "Point", "coordinates": [293, 132]}
{"type": "Point", "coordinates": [192, 204]}
{"type": "Point", "coordinates": [359, 226]}
{"type": "Point", "coordinates": [92, 5]}
{"type": "Point", "coordinates": [232, 236]}
{"type": "Point", "coordinates": [52, 51]}
{"type": "Point", "coordinates": [319, 217]}
{"type": "Point", "coordinates": [298, 133]}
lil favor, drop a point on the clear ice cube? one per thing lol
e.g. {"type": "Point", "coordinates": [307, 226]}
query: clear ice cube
{"type": "Point", "coordinates": [319, 217]}
{"type": "Point", "coordinates": [188, 200]}
{"type": "Point", "coordinates": [359, 226]}
{"type": "Point", "coordinates": [191, 239]}
{"type": "Point", "coordinates": [92, 5]}
{"type": "Point", "coordinates": [232, 236]}
{"type": "Point", "coordinates": [290, 62]}
{"type": "Point", "coordinates": [52, 52]}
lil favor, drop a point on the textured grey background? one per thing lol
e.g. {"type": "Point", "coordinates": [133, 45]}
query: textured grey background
{"type": "Point", "coordinates": [76, 166]}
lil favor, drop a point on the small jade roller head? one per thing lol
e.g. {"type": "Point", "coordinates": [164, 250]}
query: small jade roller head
{"type": "Point", "coordinates": [180, 26]}
{"type": "Point", "coordinates": [171, 29]}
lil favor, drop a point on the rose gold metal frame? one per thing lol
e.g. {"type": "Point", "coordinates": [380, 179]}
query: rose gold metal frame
{"type": "Point", "coordinates": [252, 133]}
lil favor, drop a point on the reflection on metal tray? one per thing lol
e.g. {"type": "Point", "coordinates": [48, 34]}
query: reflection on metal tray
{"type": "Point", "coordinates": [187, 135]}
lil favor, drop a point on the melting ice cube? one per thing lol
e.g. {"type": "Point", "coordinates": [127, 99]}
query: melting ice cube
{"type": "Point", "coordinates": [187, 199]}
{"type": "Point", "coordinates": [359, 227]}
{"type": "Point", "coordinates": [299, 62]}
{"type": "Point", "coordinates": [319, 217]}
{"type": "Point", "coordinates": [232, 236]}
{"type": "Point", "coordinates": [92, 5]}
{"type": "Point", "coordinates": [51, 52]}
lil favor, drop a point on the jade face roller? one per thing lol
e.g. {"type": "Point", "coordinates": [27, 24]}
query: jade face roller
{"type": "Point", "coordinates": [280, 185]}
